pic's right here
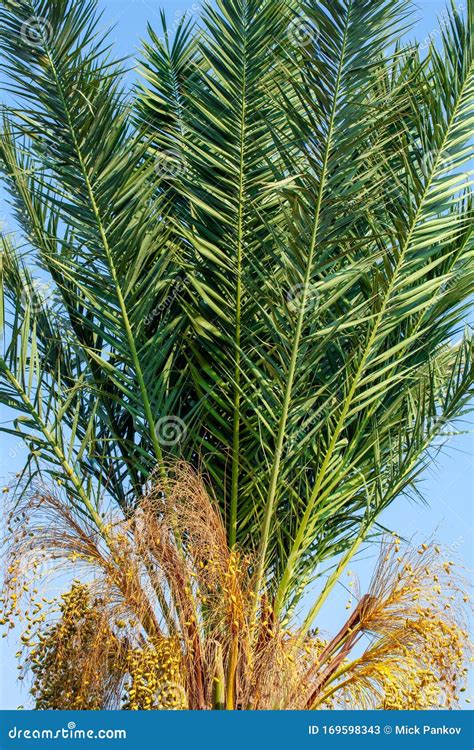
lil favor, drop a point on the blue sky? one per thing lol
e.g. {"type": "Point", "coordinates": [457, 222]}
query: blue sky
{"type": "Point", "coordinates": [448, 484]}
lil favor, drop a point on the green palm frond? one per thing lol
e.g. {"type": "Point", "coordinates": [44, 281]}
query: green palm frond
{"type": "Point", "coordinates": [93, 220]}
{"type": "Point", "coordinates": [267, 245]}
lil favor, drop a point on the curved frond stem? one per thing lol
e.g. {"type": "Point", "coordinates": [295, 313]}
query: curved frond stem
{"type": "Point", "coordinates": [272, 491]}
{"type": "Point", "coordinates": [56, 448]}
{"type": "Point", "coordinates": [373, 335]}
{"type": "Point", "coordinates": [131, 341]}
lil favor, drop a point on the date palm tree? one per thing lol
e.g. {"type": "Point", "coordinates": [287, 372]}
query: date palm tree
{"type": "Point", "coordinates": [256, 259]}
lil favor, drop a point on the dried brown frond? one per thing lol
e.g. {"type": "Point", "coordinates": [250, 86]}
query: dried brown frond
{"type": "Point", "coordinates": [161, 614]}
{"type": "Point", "coordinates": [414, 614]}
